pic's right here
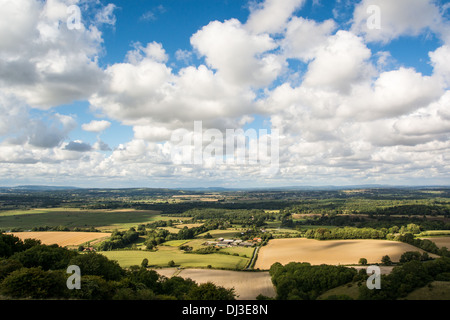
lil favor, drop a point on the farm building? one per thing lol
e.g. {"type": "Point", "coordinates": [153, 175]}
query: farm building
{"type": "Point", "coordinates": [225, 243]}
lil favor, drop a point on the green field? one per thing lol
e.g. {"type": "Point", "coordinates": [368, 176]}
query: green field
{"type": "Point", "coordinates": [161, 258]}
{"type": "Point", "coordinates": [351, 290]}
{"type": "Point", "coordinates": [436, 290]}
{"type": "Point", "coordinates": [229, 233]}
{"type": "Point", "coordinates": [242, 251]}
{"type": "Point", "coordinates": [196, 243]}
{"type": "Point", "coordinates": [73, 217]}
{"type": "Point", "coordinates": [434, 233]}
{"type": "Point", "coordinates": [175, 243]}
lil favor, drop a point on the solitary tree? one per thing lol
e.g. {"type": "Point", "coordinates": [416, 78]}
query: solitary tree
{"type": "Point", "coordinates": [363, 261]}
{"type": "Point", "coordinates": [386, 260]}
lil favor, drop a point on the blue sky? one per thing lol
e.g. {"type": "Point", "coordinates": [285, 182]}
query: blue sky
{"type": "Point", "coordinates": [173, 22]}
{"type": "Point", "coordinates": [98, 105]}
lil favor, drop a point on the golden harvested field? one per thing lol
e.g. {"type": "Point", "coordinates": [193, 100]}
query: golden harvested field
{"type": "Point", "coordinates": [440, 241]}
{"type": "Point", "coordinates": [333, 252]}
{"type": "Point", "coordinates": [62, 238]}
{"type": "Point", "coordinates": [247, 285]}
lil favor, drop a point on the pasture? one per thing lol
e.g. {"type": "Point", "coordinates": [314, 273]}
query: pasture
{"type": "Point", "coordinates": [164, 254]}
{"type": "Point", "coordinates": [333, 252]}
{"type": "Point", "coordinates": [436, 290]}
{"type": "Point", "coordinates": [228, 233]}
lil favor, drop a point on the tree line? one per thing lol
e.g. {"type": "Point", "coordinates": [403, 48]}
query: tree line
{"type": "Point", "coordinates": [119, 239]}
{"type": "Point", "coordinates": [345, 233]}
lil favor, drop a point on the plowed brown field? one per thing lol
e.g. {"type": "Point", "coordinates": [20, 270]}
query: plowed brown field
{"type": "Point", "coordinates": [331, 252]}
{"type": "Point", "coordinates": [247, 285]}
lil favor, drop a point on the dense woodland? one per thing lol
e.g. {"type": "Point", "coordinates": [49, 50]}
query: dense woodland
{"type": "Point", "coordinates": [301, 281]}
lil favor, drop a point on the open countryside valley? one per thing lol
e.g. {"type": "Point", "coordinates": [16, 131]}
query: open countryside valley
{"type": "Point", "coordinates": [233, 244]}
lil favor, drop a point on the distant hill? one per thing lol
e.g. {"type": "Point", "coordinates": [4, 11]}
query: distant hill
{"type": "Point", "coordinates": [39, 188]}
{"type": "Point", "coordinates": [222, 189]}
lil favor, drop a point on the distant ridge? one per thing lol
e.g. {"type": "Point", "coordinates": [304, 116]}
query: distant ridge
{"type": "Point", "coordinates": [230, 189]}
{"type": "Point", "coordinates": [312, 188]}
{"type": "Point", "coordinates": [40, 188]}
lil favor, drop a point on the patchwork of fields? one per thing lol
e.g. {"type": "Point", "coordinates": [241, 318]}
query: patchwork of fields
{"type": "Point", "coordinates": [333, 252]}
{"type": "Point", "coordinates": [223, 267]}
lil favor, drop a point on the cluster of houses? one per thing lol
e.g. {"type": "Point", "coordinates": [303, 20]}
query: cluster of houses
{"type": "Point", "coordinates": [225, 243]}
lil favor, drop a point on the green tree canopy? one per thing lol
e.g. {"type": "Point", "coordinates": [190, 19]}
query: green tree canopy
{"type": "Point", "coordinates": [209, 291]}
{"type": "Point", "coordinates": [98, 265]}
{"type": "Point", "coordinates": [35, 283]}
{"type": "Point", "coordinates": [386, 260]}
{"type": "Point", "coordinates": [48, 257]}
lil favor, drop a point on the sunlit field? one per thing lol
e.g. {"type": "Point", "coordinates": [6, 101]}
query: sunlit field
{"type": "Point", "coordinates": [333, 252]}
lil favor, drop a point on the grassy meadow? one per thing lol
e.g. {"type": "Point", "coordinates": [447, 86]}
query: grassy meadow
{"type": "Point", "coordinates": [165, 254]}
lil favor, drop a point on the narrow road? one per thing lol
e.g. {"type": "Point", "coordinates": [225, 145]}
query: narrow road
{"type": "Point", "coordinates": [255, 253]}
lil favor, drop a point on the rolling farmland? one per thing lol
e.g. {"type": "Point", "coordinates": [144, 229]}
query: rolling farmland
{"type": "Point", "coordinates": [441, 241]}
{"type": "Point", "coordinates": [161, 258]}
{"type": "Point", "coordinates": [333, 252]}
{"type": "Point", "coordinates": [247, 285]}
{"type": "Point", "coordinates": [198, 241]}
{"type": "Point", "coordinates": [62, 238]}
